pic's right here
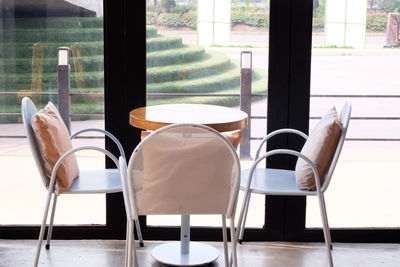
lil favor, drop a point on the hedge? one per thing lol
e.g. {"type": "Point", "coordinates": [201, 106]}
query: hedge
{"type": "Point", "coordinates": [211, 61]}
{"type": "Point", "coordinates": [211, 83]}
{"type": "Point", "coordinates": [377, 22]}
{"type": "Point", "coordinates": [251, 17]}
{"type": "Point", "coordinates": [163, 42]}
{"type": "Point", "coordinates": [24, 65]}
{"type": "Point", "coordinates": [24, 50]}
{"type": "Point", "coordinates": [174, 56]}
{"type": "Point", "coordinates": [48, 23]}
{"type": "Point", "coordinates": [52, 35]}
{"type": "Point", "coordinates": [178, 20]}
{"type": "Point", "coordinates": [13, 82]}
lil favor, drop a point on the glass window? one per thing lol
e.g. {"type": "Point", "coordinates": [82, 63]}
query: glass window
{"type": "Point", "coordinates": [29, 37]}
{"type": "Point", "coordinates": [193, 56]}
{"type": "Point", "coordinates": [355, 58]}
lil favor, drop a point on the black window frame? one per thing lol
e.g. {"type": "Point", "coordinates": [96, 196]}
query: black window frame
{"type": "Point", "coordinates": [288, 106]}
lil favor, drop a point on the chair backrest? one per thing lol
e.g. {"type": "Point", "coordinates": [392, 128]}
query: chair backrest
{"type": "Point", "coordinates": [28, 109]}
{"type": "Point", "coordinates": [184, 169]}
{"type": "Point", "coordinates": [344, 120]}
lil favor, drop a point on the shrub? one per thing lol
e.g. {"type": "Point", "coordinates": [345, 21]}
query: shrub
{"type": "Point", "coordinates": [190, 20]}
{"type": "Point", "coordinates": [177, 20]}
{"type": "Point", "coordinates": [170, 20]}
{"type": "Point", "coordinates": [377, 21]}
{"type": "Point", "coordinates": [249, 16]}
{"type": "Point", "coordinates": [151, 18]}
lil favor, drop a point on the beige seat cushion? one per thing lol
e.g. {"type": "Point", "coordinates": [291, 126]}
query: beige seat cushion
{"type": "Point", "coordinates": [320, 148]}
{"type": "Point", "coordinates": [53, 141]}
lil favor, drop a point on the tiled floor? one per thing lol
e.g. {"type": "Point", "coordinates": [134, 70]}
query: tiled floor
{"type": "Point", "coordinates": [101, 253]}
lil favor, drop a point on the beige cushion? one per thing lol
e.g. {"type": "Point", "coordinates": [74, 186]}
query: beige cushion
{"type": "Point", "coordinates": [320, 148]}
{"type": "Point", "coordinates": [53, 141]}
{"type": "Point", "coordinates": [186, 174]}
{"type": "Point", "coordinates": [233, 137]}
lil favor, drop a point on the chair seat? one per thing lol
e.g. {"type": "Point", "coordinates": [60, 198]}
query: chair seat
{"type": "Point", "coordinates": [96, 181]}
{"type": "Point", "coordinates": [272, 182]}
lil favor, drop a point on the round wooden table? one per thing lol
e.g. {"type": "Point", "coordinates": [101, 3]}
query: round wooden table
{"type": "Point", "coordinates": [222, 119]}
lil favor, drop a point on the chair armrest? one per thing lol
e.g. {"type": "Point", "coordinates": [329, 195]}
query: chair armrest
{"type": "Point", "coordinates": [107, 133]}
{"type": "Point", "coordinates": [276, 132]}
{"type": "Point", "coordinates": [66, 154]}
{"type": "Point", "coordinates": [287, 152]}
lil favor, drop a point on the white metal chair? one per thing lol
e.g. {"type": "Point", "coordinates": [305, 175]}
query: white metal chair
{"type": "Point", "coordinates": [88, 182]}
{"type": "Point", "coordinates": [182, 169]}
{"type": "Point", "coordinates": [270, 181]}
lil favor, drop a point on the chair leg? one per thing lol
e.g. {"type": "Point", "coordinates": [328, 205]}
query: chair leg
{"type": "Point", "coordinates": [233, 243]}
{"type": "Point", "coordinates": [126, 243]}
{"type": "Point", "coordinates": [244, 219]}
{"type": "Point", "coordinates": [225, 239]}
{"type": "Point", "coordinates": [243, 211]}
{"type": "Point", "coordinates": [132, 257]}
{"type": "Point", "coordinates": [325, 225]}
{"type": "Point", "coordinates": [42, 228]}
{"type": "Point", "coordinates": [326, 222]}
{"type": "Point", "coordinates": [50, 230]}
{"type": "Point", "coordinates": [139, 233]}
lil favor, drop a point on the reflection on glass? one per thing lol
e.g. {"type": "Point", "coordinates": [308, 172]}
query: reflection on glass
{"type": "Point", "coordinates": [30, 33]}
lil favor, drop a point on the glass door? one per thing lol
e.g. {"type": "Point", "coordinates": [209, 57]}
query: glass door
{"type": "Point", "coordinates": [193, 56]}
{"type": "Point", "coordinates": [355, 58]}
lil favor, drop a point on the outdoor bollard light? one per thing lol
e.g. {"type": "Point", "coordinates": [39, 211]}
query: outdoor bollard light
{"type": "Point", "coordinates": [63, 84]}
{"type": "Point", "coordinates": [245, 100]}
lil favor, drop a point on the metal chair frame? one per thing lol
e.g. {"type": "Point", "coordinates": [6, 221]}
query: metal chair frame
{"type": "Point", "coordinates": [320, 189]}
{"type": "Point", "coordinates": [132, 211]}
{"type": "Point", "coordinates": [28, 110]}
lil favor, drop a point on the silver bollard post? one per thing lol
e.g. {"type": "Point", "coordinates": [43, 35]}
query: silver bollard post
{"type": "Point", "coordinates": [63, 83]}
{"type": "Point", "coordinates": [245, 100]}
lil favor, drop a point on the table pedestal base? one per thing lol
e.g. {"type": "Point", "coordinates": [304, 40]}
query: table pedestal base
{"type": "Point", "coordinates": [199, 254]}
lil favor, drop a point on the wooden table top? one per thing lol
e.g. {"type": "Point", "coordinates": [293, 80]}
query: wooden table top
{"type": "Point", "coordinates": [220, 118]}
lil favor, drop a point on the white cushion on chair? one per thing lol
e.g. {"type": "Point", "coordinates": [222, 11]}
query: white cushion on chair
{"type": "Point", "coordinates": [53, 141]}
{"type": "Point", "coordinates": [319, 148]}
